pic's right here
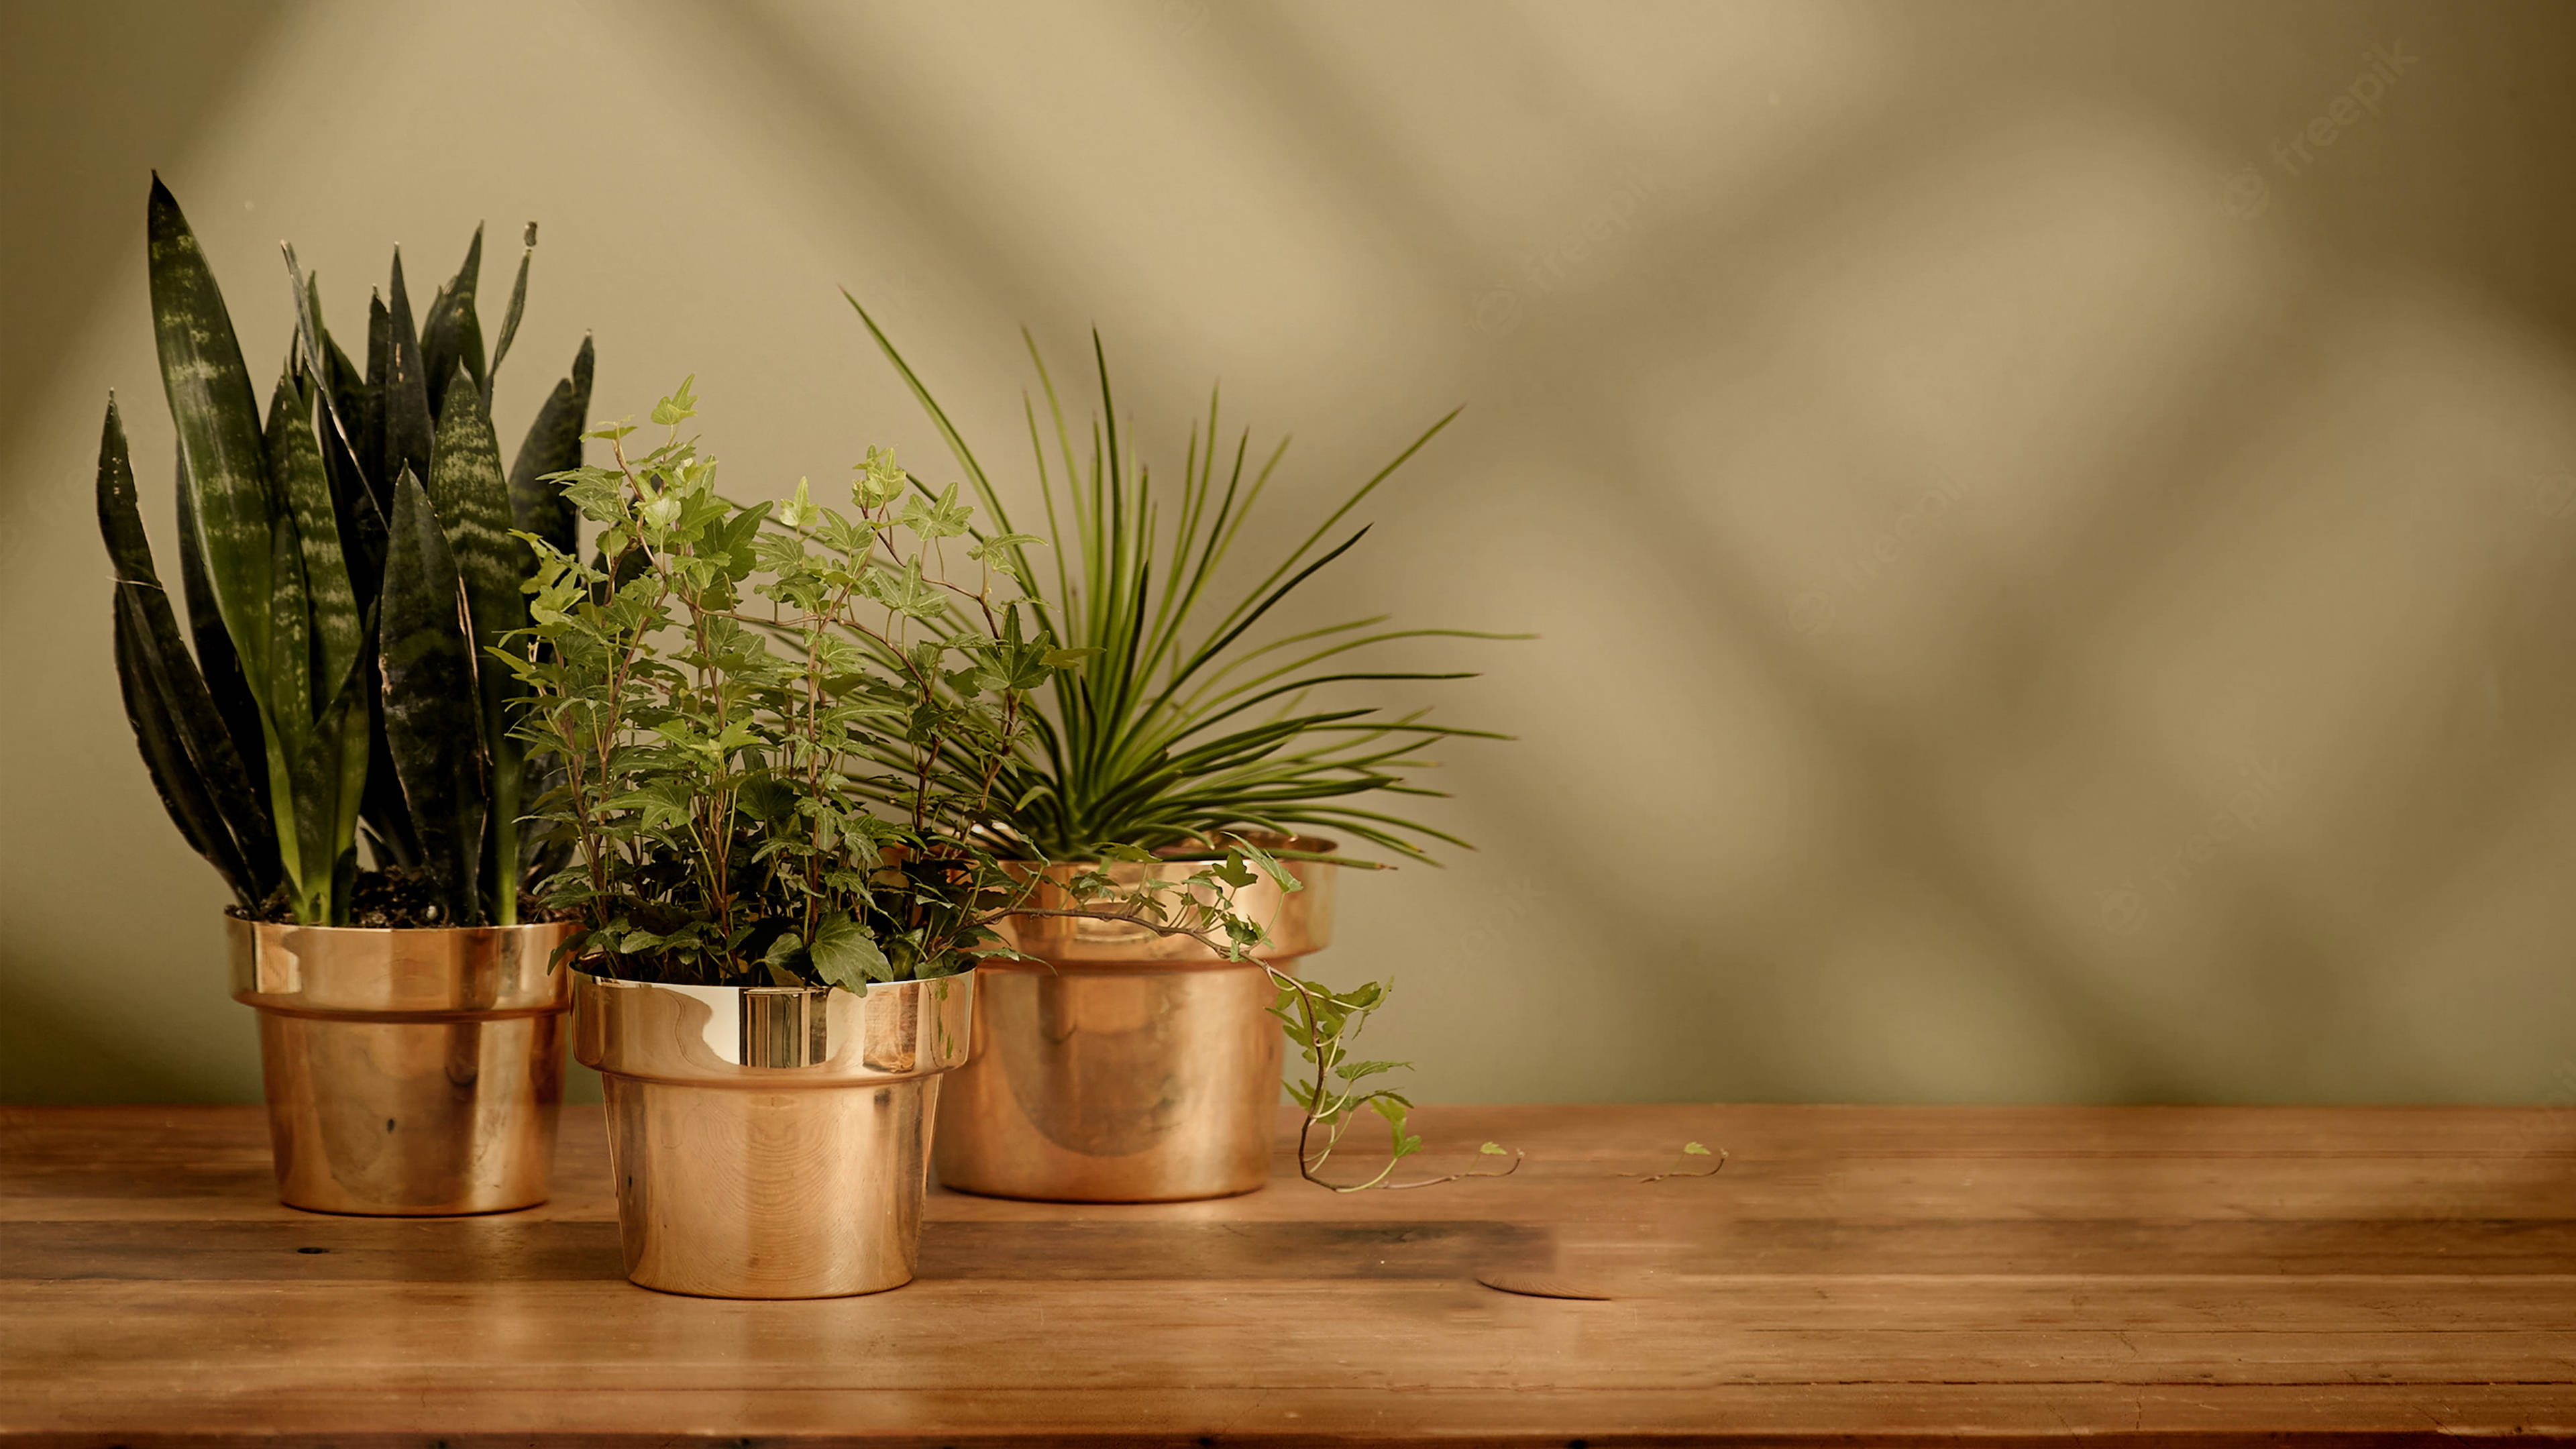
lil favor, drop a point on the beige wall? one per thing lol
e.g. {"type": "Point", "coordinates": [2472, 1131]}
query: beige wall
{"type": "Point", "coordinates": [2044, 596]}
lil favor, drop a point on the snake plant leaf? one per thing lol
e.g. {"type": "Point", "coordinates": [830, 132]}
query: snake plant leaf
{"type": "Point", "coordinates": [553, 445]}
{"type": "Point", "coordinates": [451, 335]}
{"type": "Point", "coordinates": [433, 719]}
{"type": "Point", "coordinates": [354, 502]}
{"type": "Point", "coordinates": [381, 806]}
{"type": "Point", "coordinates": [390, 833]}
{"type": "Point", "coordinates": [348, 384]}
{"type": "Point", "coordinates": [370, 438]}
{"type": "Point", "coordinates": [289, 715]}
{"type": "Point", "coordinates": [186, 742]}
{"type": "Point", "coordinates": [472, 501]}
{"type": "Point", "coordinates": [510, 319]}
{"type": "Point", "coordinates": [217, 664]}
{"type": "Point", "coordinates": [329, 772]}
{"type": "Point", "coordinates": [341, 392]}
{"type": "Point", "coordinates": [362, 523]}
{"type": "Point", "coordinates": [218, 424]}
{"type": "Point", "coordinates": [185, 793]}
{"type": "Point", "coordinates": [473, 505]}
{"type": "Point", "coordinates": [409, 423]}
{"type": "Point", "coordinates": [295, 477]}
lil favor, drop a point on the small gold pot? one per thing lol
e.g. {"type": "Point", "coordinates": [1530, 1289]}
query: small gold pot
{"type": "Point", "coordinates": [770, 1142]}
{"type": "Point", "coordinates": [412, 1073]}
{"type": "Point", "coordinates": [1129, 1066]}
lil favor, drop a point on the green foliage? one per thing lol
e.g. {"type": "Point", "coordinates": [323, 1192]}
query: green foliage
{"type": "Point", "coordinates": [186, 742]}
{"type": "Point", "coordinates": [751, 801]}
{"type": "Point", "coordinates": [1172, 728]}
{"type": "Point", "coordinates": [781, 726]}
{"type": "Point", "coordinates": [1167, 729]}
{"type": "Point", "coordinates": [432, 720]}
{"type": "Point", "coordinates": [288, 727]}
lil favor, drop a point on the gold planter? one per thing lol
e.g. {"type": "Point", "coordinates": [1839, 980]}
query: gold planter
{"type": "Point", "coordinates": [1130, 1067]}
{"type": "Point", "coordinates": [409, 1072]}
{"type": "Point", "coordinates": [771, 1142]}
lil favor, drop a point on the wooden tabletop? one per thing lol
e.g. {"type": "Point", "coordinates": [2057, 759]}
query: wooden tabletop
{"type": "Point", "coordinates": [1891, 1275]}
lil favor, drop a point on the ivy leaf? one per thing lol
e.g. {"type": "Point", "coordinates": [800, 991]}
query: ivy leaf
{"type": "Point", "coordinates": [879, 480]}
{"type": "Point", "coordinates": [845, 955]}
{"type": "Point", "coordinates": [800, 511]}
{"type": "Point", "coordinates": [678, 408]}
{"type": "Point", "coordinates": [1402, 1144]}
{"type": "Point", "coordinates": [1269, 865]}
{"type": "Point", "coordinates": [941, 517]}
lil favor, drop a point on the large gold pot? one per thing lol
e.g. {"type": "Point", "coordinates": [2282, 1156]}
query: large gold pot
{"type": "Point", "coordinates": [1127, 1066]}
{"type": "Point", "coordinates": [411, 1072]}
{"type": "Point", "coordinates": [770, 1142]}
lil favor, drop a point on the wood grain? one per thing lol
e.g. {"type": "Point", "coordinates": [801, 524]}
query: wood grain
{"type": "Point", "coordinates": [1889, 1276]}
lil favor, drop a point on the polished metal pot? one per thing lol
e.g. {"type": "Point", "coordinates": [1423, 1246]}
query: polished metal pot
{"type": "Point", "coordinates": [412, 1072]}
{"type": "Point", "coordinates": [770, 1142]}
{"type": "Point", "coordinates": [1125, 1065]}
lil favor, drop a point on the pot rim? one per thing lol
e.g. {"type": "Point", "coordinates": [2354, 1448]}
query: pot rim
{"type": "Point", "coordinates": [398, 974]}
{"type": "Point", "coordinates": [1308, 846]}
{"type": "Point", "coordinates": [771, 1037]}
{"type": "Point", "coordinates": [873, 987]}
{"type": "Point", "coordinates": [234, 913]}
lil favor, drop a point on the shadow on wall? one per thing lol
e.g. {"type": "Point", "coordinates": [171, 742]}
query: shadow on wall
{"type": "Point", "coordinates": [2059, 525]}
{"type": "Point", "coordinates": [147, 75]}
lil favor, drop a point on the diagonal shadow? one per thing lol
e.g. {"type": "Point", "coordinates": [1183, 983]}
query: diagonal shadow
{"type": "Point", "coordinates": [125, 85]}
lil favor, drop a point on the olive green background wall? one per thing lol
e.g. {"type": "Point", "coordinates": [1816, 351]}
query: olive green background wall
{"type": "Point", "coordinates": [2054, 526]}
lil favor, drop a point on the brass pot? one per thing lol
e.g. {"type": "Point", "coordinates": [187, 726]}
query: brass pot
{"type": "Point", "coordinates": [770, 1142]}
{"type": "Point", "coordinates": [1130, 1066]}
{"type": "Point", "coordinates": [412, 1072]}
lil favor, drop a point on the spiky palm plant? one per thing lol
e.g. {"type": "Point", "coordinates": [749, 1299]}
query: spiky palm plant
{"type": "Point", "coordinates": [1176, 730]}
{"type": "Point", "coordinates": [345, 563]}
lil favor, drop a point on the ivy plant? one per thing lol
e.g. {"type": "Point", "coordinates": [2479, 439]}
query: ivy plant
{"type": "Point", "coordinates": [780, 728]}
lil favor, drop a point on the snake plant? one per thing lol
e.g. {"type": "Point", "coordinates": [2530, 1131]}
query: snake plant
{"type": "Point", "coordinates": [345, 563]}
{"type": "Point", "coordinates": [1176, 731]}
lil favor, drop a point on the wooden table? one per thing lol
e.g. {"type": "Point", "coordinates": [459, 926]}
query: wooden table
{"type": "Point", "coordinates": [1888, 1275]}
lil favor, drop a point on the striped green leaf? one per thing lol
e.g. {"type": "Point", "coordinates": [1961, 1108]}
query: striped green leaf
{"type": "Point", "coordinates": [217, 664]}
{"type": "Point", "coordinates": [185, 741]}
{"type": "Point", "coordinates": [473, 505]}
{"type": "Point", "coordinates": [433, 719]}
{"type": "Point", "coordinates": [371, 417]}
{"type": "Point", "coordinates": [184, 736]}
{"type": "Point", "coordinates": [451, 334]}
{"type": "Point", "coordinates": [143, 674]}
{"type": "Point", "coordinates": [329, 771]}
{"type": "Point", "coordinates": [553, 445]}
{"type": "Point", "coordinates": [288, 710]}
{"type": "Point", "coordinates": [218, 424]}
{"type": "Point", "coordinates": [510, 319]}
{"type": "Point", "coordinates": [296, 478]}
{"type": "Point", "coordinates": [409, 423]}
